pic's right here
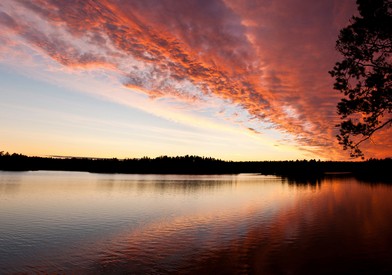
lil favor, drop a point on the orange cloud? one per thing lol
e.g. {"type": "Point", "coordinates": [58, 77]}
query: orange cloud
{"type": "Point", "coordinates": [268, 59]}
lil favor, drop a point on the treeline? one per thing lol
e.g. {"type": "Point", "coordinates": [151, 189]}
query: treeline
{"type": "Point", "coordinates": [372, 169]}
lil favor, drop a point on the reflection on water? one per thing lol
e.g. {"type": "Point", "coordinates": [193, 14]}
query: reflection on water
{"type": "Point", "coordinates": [101, 223]}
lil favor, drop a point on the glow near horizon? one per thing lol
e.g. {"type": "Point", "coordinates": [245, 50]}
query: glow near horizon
{"type": "Point", "coordinates": [75, 123]}
{"type": "Point", "coordinates": [80, 98]}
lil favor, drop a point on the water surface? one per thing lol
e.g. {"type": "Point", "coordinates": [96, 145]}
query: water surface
{"type": "Point", "coordinates": [71, 222]}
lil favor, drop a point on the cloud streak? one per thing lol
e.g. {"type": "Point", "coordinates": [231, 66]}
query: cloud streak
{"type": "Point", "coordinates": [267, 59]}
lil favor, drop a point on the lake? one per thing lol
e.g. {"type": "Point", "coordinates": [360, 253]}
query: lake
{"type": "Point", "coordinates": [74, 222]}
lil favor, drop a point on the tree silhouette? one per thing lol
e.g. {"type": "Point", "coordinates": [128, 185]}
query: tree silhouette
{"type": "Point", "coordinates": [364, 75]}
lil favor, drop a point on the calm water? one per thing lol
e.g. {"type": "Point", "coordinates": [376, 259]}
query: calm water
{"type": "Point", "coordinates": [70, 222]}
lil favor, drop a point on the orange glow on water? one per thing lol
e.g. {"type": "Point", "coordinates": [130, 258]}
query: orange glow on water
{"type": "Point", "coordinates": [146, 223]}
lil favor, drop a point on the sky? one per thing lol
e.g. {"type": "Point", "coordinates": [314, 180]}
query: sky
{"type": "Point", "coordinates": [230, 79]}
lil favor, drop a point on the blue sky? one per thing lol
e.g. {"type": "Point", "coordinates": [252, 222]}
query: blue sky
{"type": "Point", "coordinates": [236, 80]}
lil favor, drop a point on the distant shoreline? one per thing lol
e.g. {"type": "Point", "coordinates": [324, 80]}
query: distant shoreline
{"type": "Point", "coordinates": [373, 169]}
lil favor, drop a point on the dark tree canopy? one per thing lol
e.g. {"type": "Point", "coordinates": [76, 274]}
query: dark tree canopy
{"type": "Point", "coordinates": [364, 76]}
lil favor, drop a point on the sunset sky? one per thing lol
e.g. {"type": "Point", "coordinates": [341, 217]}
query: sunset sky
{"type": "Point", "coordinates": [230, 79]}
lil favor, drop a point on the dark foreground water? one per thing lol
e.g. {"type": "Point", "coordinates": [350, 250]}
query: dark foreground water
{"type": "Point", "coordinates": [68, 222]}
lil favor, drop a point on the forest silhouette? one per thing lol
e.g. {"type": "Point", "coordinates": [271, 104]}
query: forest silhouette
{"type": "Point", "coordinates": [372, 169]}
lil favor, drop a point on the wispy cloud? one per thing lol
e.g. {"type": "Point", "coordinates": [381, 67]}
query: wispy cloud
{"type": "Point", "coordinates": [267, 59]}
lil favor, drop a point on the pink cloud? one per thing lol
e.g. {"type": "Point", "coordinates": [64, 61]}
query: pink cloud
{"type": "Point", "coordinates": [271, 58]}
{"type": "Point", "coordinates": [8, 21]}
